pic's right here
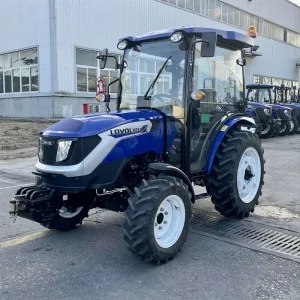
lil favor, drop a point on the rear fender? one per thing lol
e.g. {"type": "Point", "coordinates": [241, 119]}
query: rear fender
{"type": "Point", "coordinates": [241, 122]}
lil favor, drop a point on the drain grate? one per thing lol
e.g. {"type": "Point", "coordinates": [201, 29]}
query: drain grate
{"type": "Point", "coordinates": [252, 235]}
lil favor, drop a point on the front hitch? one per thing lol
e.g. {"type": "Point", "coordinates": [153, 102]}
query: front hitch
{"type": "Point", "coordinates": [32, 202]}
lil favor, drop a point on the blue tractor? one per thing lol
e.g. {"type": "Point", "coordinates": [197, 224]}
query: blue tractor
{"type": "Point", "coordinates": [167, 135]}
{"type": "Point", "coordinates": [262, 93]}
{"type": "Point", "coordinates": [289, 97]}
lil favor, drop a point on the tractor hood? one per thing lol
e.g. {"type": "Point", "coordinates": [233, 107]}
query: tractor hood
{"type": "Point", "coordinates": [291, 105]}
{"type": "Point", "coordinates": [92, 124]}
{"type": "Point", "coordinates": [279, 107]}
{"type": "Point", "coordinates": [255, 105]}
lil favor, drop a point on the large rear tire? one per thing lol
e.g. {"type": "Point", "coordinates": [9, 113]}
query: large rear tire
{"type": "Point", "coordinates": [237, 173]}
{"type": "Point", "coordinates": [158, 218]}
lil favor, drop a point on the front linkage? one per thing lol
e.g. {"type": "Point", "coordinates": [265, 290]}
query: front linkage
{"type": "Point", "coordinates": [49, 207]}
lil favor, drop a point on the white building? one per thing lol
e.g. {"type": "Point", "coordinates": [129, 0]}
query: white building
{"type": "Point", "coordinates": [48, 65]}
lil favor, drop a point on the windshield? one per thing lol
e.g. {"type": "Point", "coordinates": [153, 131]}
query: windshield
{"type": "Point", "coordinates": [260, 95]}
{"type": "Point", "coordinates": [144, 63]}
{"type": "Point", "coordinates": [219, 77]}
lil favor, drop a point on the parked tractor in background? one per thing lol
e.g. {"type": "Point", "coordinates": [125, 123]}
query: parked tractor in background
{"type": "Point", "coordinates": [262, 93]}
{"type": "Point", "coordinates": [267, 126]}
{"type": "Point", "coordinates": [289, 97]}
{"type": "Point", "coordinates": [169, 133]}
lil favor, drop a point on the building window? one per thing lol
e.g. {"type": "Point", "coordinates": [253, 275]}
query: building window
{"type": "Point", "coordinates": [87, 69]}
{"type": "Point", "coordinates": [293, 38]}
{"type": "Point", "coordinates": [19, 72]}
{"type": "Point", "coordinates": [226, 13]}
{"type": "Point", "coordinates": [274, 81]}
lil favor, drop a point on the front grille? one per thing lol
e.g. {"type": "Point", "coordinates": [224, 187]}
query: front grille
{"type": "Point", "coordinates": [80, 148]}
{"type": "Point", "coordinates": [297, 112]}
{"type": "Point", "coordinates": [260, 112]}
{"type": "Point", "coordinates": [282, 115]}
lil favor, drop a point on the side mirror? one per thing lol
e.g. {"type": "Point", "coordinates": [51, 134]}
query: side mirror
{"type": "Point", "coordinates": [103, 58]}
{"type": "Point", "coordinates": [208, 45]}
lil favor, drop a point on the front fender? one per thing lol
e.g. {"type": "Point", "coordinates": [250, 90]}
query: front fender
{"type": "Point", "coordinates": [246, 124]}
{"type": "Point", "coordinates": [173, 171]}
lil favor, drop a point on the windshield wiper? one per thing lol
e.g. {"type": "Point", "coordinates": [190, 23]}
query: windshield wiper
{"type": "Point", "coordinates": [146, 97]}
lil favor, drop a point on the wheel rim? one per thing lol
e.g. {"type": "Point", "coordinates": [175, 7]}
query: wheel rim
{"type": "Point", "coordinates": [266, 130]}
{"type": "Point", "coordinates": [169, 221]}
{"type": "Point", "coordinates": [248, 175]}
{"type": "Point", "coordinates": [292, 126]}
{"type": "Point", "coordinates": [64, 213]}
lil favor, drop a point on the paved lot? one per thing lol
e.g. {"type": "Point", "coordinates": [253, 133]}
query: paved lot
{"type": "Point", "coordinates": [92, 262]}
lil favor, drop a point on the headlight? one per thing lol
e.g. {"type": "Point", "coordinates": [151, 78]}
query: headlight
{"type": "Point", "coordinates": [63, 148]}
{"type": "Point", "coordinates": [267, 111]}
{"type": "Point", "coordinates": [287, 113]}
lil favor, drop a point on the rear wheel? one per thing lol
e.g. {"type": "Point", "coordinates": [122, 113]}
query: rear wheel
{"type": "Point", "coordinates": [236, 178]}
{"type": "Point", "coordinates": [157, 219]}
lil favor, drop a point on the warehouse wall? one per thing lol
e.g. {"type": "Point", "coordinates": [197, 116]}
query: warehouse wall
{"type": "Point", "coordinates": [25, 24]}
{"type": "Point", "coordinates": [281, 12]}
{"type": "Point", "coordinates": [100, 23]}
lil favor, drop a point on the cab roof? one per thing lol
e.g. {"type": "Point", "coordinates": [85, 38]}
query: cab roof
{"type": "Point", "coordinates": [231, 38]}
{"type": "Point", "coordinates": [259, 86]}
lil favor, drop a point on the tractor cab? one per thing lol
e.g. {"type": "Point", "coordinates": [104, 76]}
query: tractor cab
{"type": "Point", "coordinates": [193, 77]}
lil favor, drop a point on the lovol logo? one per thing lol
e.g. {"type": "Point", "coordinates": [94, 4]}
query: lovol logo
{"type": "Point", "coordinates": [46, 143]}
{"type": "Point", "coordinates": [126, 131]}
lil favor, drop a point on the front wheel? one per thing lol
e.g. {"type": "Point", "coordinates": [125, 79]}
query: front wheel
{"type": "Point", "coordinates": [294, 125]}
{"type": "Point", "coordinates": [157, 219]}
{"type": "Point", "coordinates": [236, 178]}
{"type": "Point", "coordinates": [67, 217]}
{"type": "Point", "coordinates": [285, 128]}
{"type": "Point", "coordinates": [266, 131]}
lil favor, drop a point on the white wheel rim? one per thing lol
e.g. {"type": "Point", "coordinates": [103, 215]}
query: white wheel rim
{"type": "Point", "coordinates": [248, 175]}
{"type": "Point", "coordinates": [292, 126]}
{"type": "Point", "coordinates": [169, 221]}
{"type": "Point", "coordinates": [64, 213]}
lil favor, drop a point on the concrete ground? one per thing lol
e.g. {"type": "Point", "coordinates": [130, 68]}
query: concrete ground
{"type": "Point", "coordinates": [91, 262]}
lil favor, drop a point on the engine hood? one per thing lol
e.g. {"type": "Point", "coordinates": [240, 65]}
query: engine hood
{"type": "Point", "coordinates": [92, 124]}
{"type": "Point", "coordinates": [279, 107]}
{"type": "Point", "coordinates": [291, 105]}
{"type": "Point", "coordinates": [254, 105]}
